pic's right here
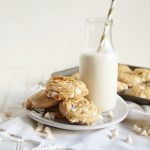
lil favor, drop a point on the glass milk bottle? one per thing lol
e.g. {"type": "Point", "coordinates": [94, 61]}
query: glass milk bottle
{"type": "Point", "coordinates": [99, 69]}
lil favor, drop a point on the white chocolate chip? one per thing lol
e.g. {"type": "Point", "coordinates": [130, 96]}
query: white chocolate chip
{"type": "Point", "coordinates": [115, 133]}
{"type": "Point", "coordinates": [78, 91]}
{"type": "Point", "coordinates": [50, 115]}
{"type": "Point", "coordinates": [39, 127]}
{"type": "Point", "coordinates": [129, 139]}
{"type": "Point", "coordinates": [49, 136]}
{"type": "Point", "coordinates": [137, 129]}
{"type": "Point", "coordinates": [72, 95]}
{"type": "Point", "coordinates": [47, 130]}
{"type": "Point", "coordinates": [47, 115]}
{"type": "Point", "coordinates": [144, 133]}
{"type": "Point", "coordinates": [53, 94]}
{"type": "Point", "coordinates": [110, 114]}
{"type": "Point", "coordinates": [100, 116]}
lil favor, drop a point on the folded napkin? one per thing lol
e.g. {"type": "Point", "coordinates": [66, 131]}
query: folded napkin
{"type": "Point", "coordinates": [22, 128]}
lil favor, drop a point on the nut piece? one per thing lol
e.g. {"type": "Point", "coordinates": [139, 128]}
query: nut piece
{"type": "Point", "coordinates": [114, 133]}
{"type": "Point", "coordinates": [110, 114]}
{"type": "Point", "coordinates": [144, 133]}
{"type": "Point", "coordinates": [137, 129]}
{"type": "Point", "coordinates": [39, 127]}
{"type": "Point", "coordinates": [129, 139]}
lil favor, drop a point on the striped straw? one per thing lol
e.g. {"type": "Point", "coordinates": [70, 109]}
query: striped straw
{"type": "Point", "coordinates": [106, 28]}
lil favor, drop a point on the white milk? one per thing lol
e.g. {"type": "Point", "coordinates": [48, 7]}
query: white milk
{"type": "Point", "coordinates": [99, 71]}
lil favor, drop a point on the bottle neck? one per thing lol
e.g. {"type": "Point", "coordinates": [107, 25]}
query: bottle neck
{"type": "Point", "coordinates": [105, 44]}
{"type": "Point", "coordinates": [94, 32]}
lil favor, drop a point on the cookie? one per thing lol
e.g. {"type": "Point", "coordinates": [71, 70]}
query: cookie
{"type": "Point", "coordinates": [124, 68]}
{"type": "Point", "coordinates": [139, 91]}
{"type": "Point", "coordinates": [79, 111]}
{"type": "Point", "coordinates": [76, 76]}
{"type": "Point", "coordinates": [40, 100]}
{"type": "Point", "coordinates": [147, 84]}
{"type": "Point", "coordinates": [129, 79]}
{"type": "Point", "coordinates": [64, 88]}
{"type": "Point", "coordinates": [144, 73]}
{"type": "Point", "coordinates": [121, 86]}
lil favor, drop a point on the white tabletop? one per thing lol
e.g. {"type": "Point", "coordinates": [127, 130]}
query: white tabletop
{"type": "Point", "coordinates": [13, 82]}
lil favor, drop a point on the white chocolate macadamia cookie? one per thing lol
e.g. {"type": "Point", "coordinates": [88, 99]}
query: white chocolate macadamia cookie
{"type": "Point", "coordinates": [143, 73]}
{"type": "Point", "coordinates": [40, 100]}
{"type": "Point", "coordinates": [79, 111]}
{"type": "Point", "coordinates": [124, 68]}
{"type": "Point", "coordinates": [121, 86]}
{"type": "Point", "coordinates": [64, 88]}
{"type": "Point", "coordinates": [129, 79]}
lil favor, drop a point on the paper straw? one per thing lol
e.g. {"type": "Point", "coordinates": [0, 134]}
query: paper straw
{"type": "Point", "coordinates": [106, 28]}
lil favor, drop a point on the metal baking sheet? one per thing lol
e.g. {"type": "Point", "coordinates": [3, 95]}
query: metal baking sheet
{"type": "Point", "coordinates": [138, 100]}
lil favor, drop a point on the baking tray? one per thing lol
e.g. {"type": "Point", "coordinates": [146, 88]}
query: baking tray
{"type": "Point", "coordinates": [138, 100]}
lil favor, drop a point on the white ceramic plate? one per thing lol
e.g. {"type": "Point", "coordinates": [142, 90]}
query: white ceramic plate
{"type": "Point", "coordinates": [120, 112]}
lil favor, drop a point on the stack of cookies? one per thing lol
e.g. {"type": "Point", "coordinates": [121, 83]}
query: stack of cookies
{"type": "Point", "coordinates": [135, 82]}
{"type": "Point", "coordinates": [65, 97]}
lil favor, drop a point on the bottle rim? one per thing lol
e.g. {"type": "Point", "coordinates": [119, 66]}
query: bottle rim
{"type": "Point", "coordinates": [99, 20]}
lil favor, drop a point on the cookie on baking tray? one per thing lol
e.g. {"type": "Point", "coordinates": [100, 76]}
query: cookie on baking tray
{"type": "Point", "coordinates": [121, 86]}
{"type": "Point", "coordinates": [129, 79]}
{"type": "Point", "coordinates": [64, 88]}
{"type": "Point", "coordinates": [79, 111]}
{"type": "Point", "coordinates": [139, 91]}
{"type": "Point", "coordinates": [143, 73]}
{"type": "Point", "coordinates": [40, 100]}
{"type": "Point", "coordinates": [124, 68]}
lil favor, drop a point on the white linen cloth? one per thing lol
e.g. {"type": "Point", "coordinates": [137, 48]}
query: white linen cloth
{"type": "Point", "coordinates": [24, 128]}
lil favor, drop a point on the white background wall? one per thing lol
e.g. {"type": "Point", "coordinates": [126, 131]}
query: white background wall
{"type": "Point", "coordinates": [51, 32]}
